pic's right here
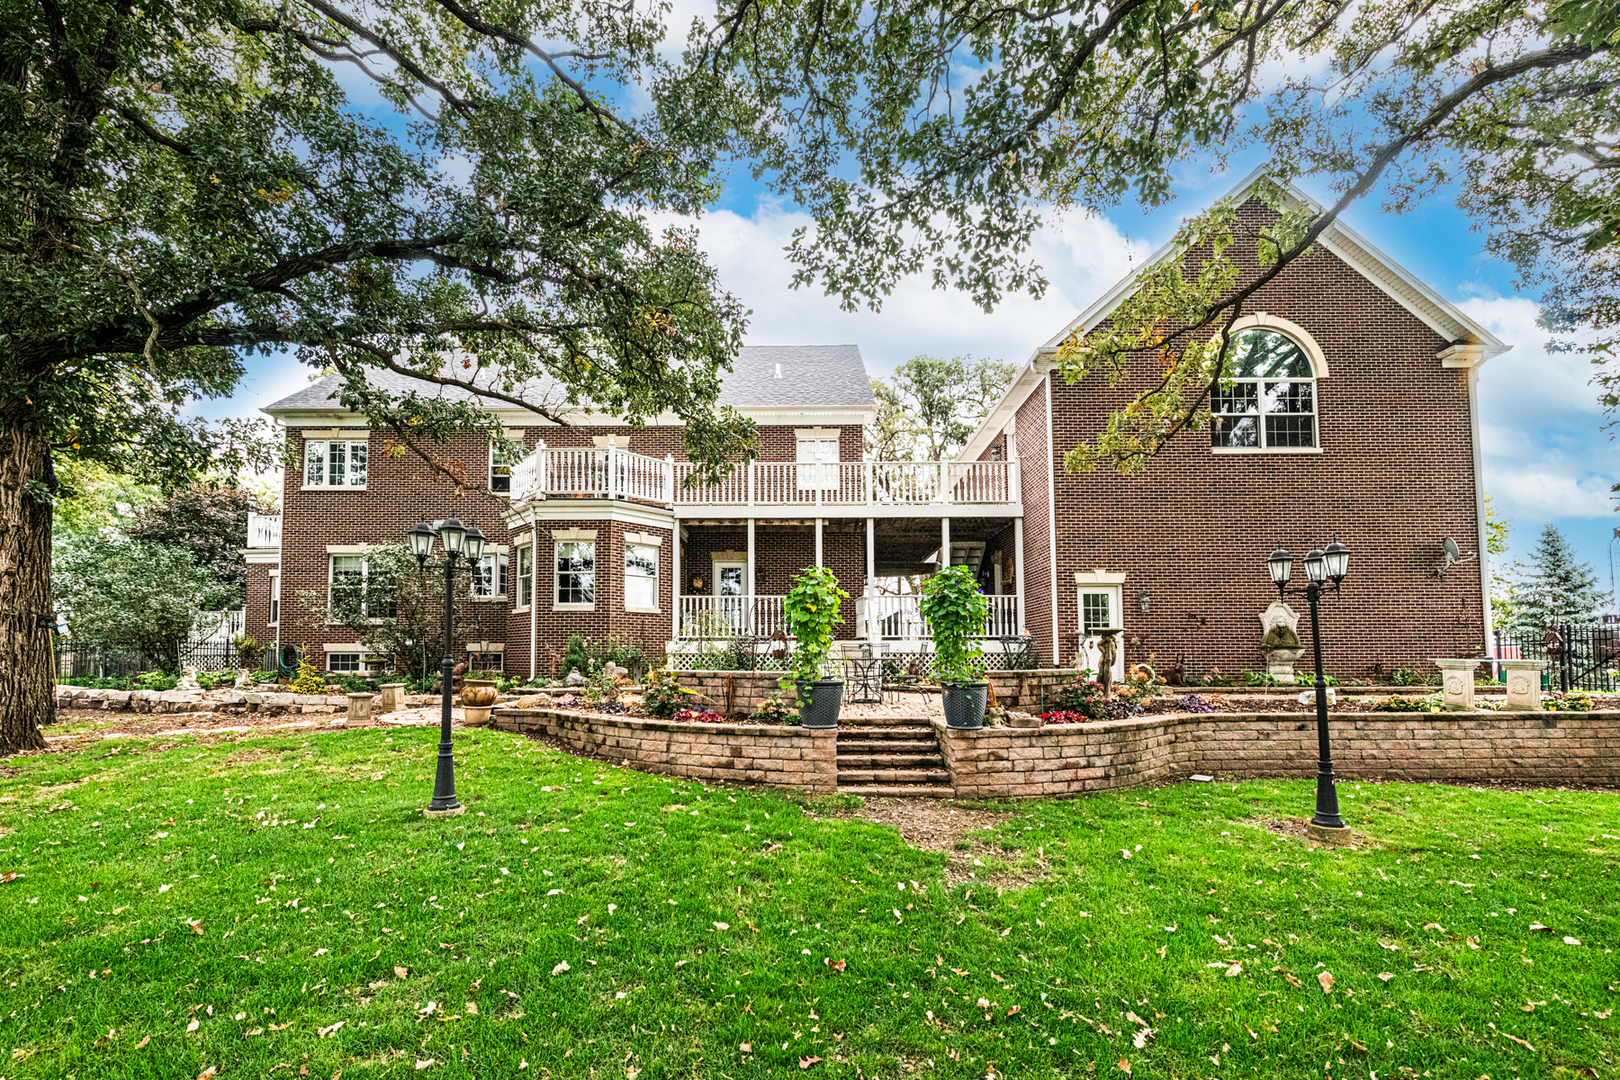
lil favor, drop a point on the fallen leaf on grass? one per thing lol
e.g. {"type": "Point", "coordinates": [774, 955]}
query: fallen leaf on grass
{"type": "Point", "coordinates": [560, 968]}
{"type": "Point", "coordinates": [195, 924]}
{"type": "Point", "coordinates": [207, 1073]}
{"type": "Point", "coordinates": [1326, 979]}
{"type": "Point", "coordinates": [143, 1042]}
{"type": "Point", "coordinates": [1572, 941]}
{"type": "Point", "coordinates": [325, 1031]}
{"type": "Point", "coordinates": [806, 1062]}
{"type": "Point", "coordinates": [722, 926]}
{"type": "Point", "coordinates": [401, 973]}
{"type": "Point", "coordinates": [1234, 971]}
{"type": "Point", "coordinates": [746, 1048]}
{"type": "Point", "coordinates": [1518, 1040]}
{"type": "Point", "coordinates": [1125, 1066]}
{"type": "Point", "coordinates": [1386, 975]}
{"type": "Point", "coordinates": [194, 1025]}
{"type": "Point", "coordinates": [420, 1065]}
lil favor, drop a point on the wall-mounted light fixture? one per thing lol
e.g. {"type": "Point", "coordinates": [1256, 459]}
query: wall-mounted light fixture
{"type": "Point", "coordinates": [1143, 600]}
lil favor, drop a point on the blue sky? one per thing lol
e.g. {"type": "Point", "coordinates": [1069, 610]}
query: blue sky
{"type": "Point", "coordinates": [1547, 457]}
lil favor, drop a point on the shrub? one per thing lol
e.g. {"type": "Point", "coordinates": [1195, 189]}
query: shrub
{"type": "Point", "coordinates": [623, 651]}
{"type": "Point", "coordinates": [1574, 701]}
{"type": "Point", "coordinates": [249, 652]}
{"type": "Point", "coordinates": [574, 656]}
{"type": "Point", "coordinates": [663, 694]}
{"type": "Point", "coordinates": [1064, 716]}
{"type": "Point", "coordinates": [954, 605]}
{"type": "Point", "coordinates": [210, 679]}
{"type": "Point", "coordinates": [1141, 684]}
{"type": "Point", "coordinates": [156, 680]}
{"type": "Point", "coordinates": [773, 710]}
{"type": "Point", "coordinates": [1085, 697]}
{"type": "Point", "coordinates": [1397, 703]}
{"type": "Point", "coordinates": [92, 682]}
{"type": "Point", "coordinates": [1404, 676]}
{"type": "Point", "coordinates": [1259, 678]}
{"type": "Point", "coordinates": [308, 680]}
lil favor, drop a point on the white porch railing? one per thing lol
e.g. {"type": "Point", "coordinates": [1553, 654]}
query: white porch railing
{"type": "Point", "coordinates": [898, 617]}
{"type": "Point", "coordinates": [263, 530]}
{"type": "Point", "coordinates": [579, 473]}
{"type": "Point", "coordinates": [729, 616]}
{"type": "Point", "coordinates": [618, 474]}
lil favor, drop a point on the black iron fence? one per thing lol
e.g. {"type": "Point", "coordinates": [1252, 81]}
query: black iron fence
{"type": "Point", "coordinates": [1578, 657]}
{"type": "Point", "coordinates": [112, 660]}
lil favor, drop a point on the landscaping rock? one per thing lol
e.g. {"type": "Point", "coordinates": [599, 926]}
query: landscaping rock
{"type": "Point", "coordinates": [280, 701]}
{"type": "Point", "coordinates": [117, 699]}
{"type": "Point", "coordinates": [574, 678]}
{"type": "Point", "coordinates": [1022, 719]}
{"type": "Point", "coordinates": [536, 701]}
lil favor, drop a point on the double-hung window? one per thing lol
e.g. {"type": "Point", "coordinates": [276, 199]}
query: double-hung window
{"type": "Point", "coordinates": [346, 588]}
{"type": "Point", "coordinates": [274, 618]}
{"type": "Point", "coordinates": [1269, 400]}
{"type": "Point", "coordinates": [525, 575]}
{"type": "Point", "coordinates": [576, 573]}
{"type": "Point", "coordinates": [640, 577]}
{"type": "Point", "coordinates": [343, 661]}
{"type": "Point", "coordinates": [334, 463]}
{"type": "Point", "coordinates": [489, 576]}
{"type": "Point", "coordinates": [500, 468]}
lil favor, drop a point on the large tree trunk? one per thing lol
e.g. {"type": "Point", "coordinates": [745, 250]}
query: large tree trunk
{"type": "Point", "coordinates": [27, 482]}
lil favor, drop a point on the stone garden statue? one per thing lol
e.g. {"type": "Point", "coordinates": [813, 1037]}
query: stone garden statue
{"type": "Point", "coordinates": [188, 678]}
{"type": "Point", "coordinates": [574, 678]}
{"type": "Point", "coordinates": [1107, 653]}
{"type": "Point", "coordinates": [1280, 642]}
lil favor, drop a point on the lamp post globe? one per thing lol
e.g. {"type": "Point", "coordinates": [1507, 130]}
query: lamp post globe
{"type": "Point", "coordinates": [1281, 565]}
{"type": "Point", "coordinates": [1337, 557]}
{"type": "Point", "coordinates": [473, 544]}
{"type": "Point", "coordinates": [1315, 566]}
{"type": "Point", "coordinates": [421, 540]}
{"type": "Point", "coordinates": [454, 534]}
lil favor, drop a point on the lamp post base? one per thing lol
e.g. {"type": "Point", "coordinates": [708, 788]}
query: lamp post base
{"type": "Point", "coordinates": [1328, 834]}
{"type": "Point", "coordinates": [454, 811]}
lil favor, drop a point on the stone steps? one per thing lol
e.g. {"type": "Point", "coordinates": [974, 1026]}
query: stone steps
{"type": "Point", "coordinates": [893, 731]}
{"type": "Point", "coordinates": [887, 746]}
{"type": "Point", "coordinates": [888, 761]}
{"type": "Point", "coordinates": [889, 777]}
{"type": "Point", "coordinates": [901, 791]}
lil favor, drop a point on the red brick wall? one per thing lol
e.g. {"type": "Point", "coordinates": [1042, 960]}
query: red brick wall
{"type": "Point", "coordinates": [1029, 424]}
{"type": "Point", "coordinates": [258, 605]}
{"type": "Point", "coordinates": [1395, 475]}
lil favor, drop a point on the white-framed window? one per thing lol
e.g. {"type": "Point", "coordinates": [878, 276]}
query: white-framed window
{"type": "Point", "coordinates": [576, 573]}
{"type": "Point", "coordinates": [818, 462]}
{"type": "Point", "coordinates": [640, 577]}
{"type": "Point", "coordinates": [274, 614]}
{"type": "Point", "coordinates": [500, 468]}
{"type": "Point", "coordinates": [525, 575]}
{"type": "Point", "coordinates": [489, 576]}
{"type": "Point", "coordinates": [486, 661]}
{"type": "Point", "coordinates": [1269, 400]}
{"type": "Point", "coordinates": [346, 579]}
{"type": "Point", "coordinates": [345, 662]}
{"type": "Point", "coordinates": [334, 463]}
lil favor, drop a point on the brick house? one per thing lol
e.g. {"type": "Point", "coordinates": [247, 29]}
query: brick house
{"type": "Point", "coordinates": [1353, 413]}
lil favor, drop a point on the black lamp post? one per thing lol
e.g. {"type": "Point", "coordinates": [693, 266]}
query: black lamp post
{"type": "Point", "coordinates": [458, 540]}
{"type": "Point", "coordinates": [1320, 565]}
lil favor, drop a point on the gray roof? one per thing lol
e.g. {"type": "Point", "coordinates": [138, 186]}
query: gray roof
{"type": "Point", "coordinates": [762, 377]}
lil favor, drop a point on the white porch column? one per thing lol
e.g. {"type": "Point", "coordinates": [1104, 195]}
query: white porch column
{"type": "Point", "coordinates": [748, 584]}
{"type": "Point", "coordinates": [1018, 569]}
{"type": "Point", "coordinates": [818, 543]}
{"type": "Point", "coordinates": [675, 580]}
{"type": "Point", "coordinates": [871, 583]}
{"type": "Point", "coordinates": [944, 542]}
{"type": "Point", "coordinates": [534, 592]}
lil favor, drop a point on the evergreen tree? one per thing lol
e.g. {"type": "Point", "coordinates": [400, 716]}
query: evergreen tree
{"type": "Point", "coordinates": [1557, 587]}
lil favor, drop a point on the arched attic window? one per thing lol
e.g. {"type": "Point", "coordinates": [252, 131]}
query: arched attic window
{"type": "Point", "coordinates": [1268, 400]}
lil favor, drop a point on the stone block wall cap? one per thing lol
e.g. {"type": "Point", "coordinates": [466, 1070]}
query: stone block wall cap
{"type": "Point", "coordinates": [1528, 665]}
{"type": "Point", "coordinates": [359, 696]}
{"type": "Point", "coordinates": [1462, 662]}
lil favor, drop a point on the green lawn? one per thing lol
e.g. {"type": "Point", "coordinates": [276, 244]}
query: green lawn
{"type": "Point", "coordinates": [278, 904]}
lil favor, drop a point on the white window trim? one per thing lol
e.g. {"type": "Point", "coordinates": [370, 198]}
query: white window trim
{"type": "Point", "coordinates": [495, 551]}
{"type": "Point", "coordinates": [1319, 371]}
{"type": "Point", "coordinates": [365, 572]}
{"type": "Point", "coordinates": [572, 536]}
{"type": "Point", "coordinates": [273, 610]}
{"type": "Point", "coordinates": [637, 540]}
{"type": "Point", "coordinates": [514, 436]}
{"type": "Point", "coordinates": [360, 652]}
{"type": "Point", "coordinates": [351, 440]}
{"type": "Point", "coordinates": [515, 577]}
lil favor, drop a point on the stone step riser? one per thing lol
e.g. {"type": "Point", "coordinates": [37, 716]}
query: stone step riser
{"type": "Point", "coordinates": [899, 791]}
{"type": "Point", "coordinates": [889, 746]}
{"type": "Point", "coordinates": [898, 731]}
{"type": "Point", "coordinates": [890, 761]}
{"type": "Point", "coordinates": [893, 776]}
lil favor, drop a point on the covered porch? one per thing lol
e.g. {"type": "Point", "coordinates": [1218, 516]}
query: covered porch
{"type": "Point", "coordinates": [732, 576]}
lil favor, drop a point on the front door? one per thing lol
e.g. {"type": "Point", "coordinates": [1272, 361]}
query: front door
{"type": "Point", "coordinates": [1100, 608]}
{"type": "Point", "coordinates": [730, 594]}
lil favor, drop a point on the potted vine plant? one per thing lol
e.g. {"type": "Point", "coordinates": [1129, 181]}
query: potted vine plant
{"type": "Point", "coordinates": [811, 612]}
{"type": "Point", "coordinates": [955, 609]}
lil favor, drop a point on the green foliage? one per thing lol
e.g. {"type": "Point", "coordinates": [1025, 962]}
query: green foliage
{"type": "Point", "coordinates": [663, 693]}
{"type": "Point", "coordinates": [1404, 676]}
{"type": "Point", "coordinates": [1085, 697]}
{"type": "Point", "coordinates": [209, 520]}
{"type": "Point", "coordinates": [623, 651]}
{"type": "Point", "coordinates": [120, 591]}
{"type": "Point", "coordinates": [1259, 678]}
{"type": "Point", "coordinates": [96, 683]}
{"type": "Point", "coordinates": [1397, 703]}
{"type": "Point", "coordinates": [1573, 701]}
{"type": "Point", "coordinates": [930, 407]}
{"type": "Point", "coordinates": [811, 612]}
{"type": "Point", "coordinates": [260, 677]}
{"type": "Point", "coordinates": [347, 682]}
{"type": "Point", "coordinates": [575, 655]}
{"type": "Point", "coordinates": [156, 680]}
{"type": "Point", "coordinates": [775, 710]}
{"type": "Point", "coordinates": [210, 679]}
{"type": "Point", "coordinates": [249, 651]}
{"type": "Point", "coordinates": [308, 680]}
{"type": "Point", "coordinates": [1556, 588]}
{"type": "Point", "coordinates": [955, 609]}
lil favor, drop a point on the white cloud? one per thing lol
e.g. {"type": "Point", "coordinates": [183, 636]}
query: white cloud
{"type": "Point", "coordinates": [1081, 257]}
{"type": "Point", "coordinates": [1536, 494]}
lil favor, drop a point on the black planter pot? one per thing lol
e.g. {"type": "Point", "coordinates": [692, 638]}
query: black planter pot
{"type": "Point", "coordinates": [964, 704]}
{"type": "Point", "coordinates": [820, 701]}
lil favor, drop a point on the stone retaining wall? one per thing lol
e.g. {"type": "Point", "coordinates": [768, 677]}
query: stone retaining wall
{"type": "Point", "coordinates": [780, 756]}
{"type": "Point", "coordinates": [743, 691]}
{"type": "Point", "coordinates": [1066, 759]}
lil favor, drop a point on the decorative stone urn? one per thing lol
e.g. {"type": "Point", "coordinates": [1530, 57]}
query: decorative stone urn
{"type": "Point", "coordinates": [1279, 625]}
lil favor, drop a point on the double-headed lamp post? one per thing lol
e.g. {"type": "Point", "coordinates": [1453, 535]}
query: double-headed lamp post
{"type": "Point", "coordinates": [459, 540]}
{"type": "Point", "coordinates": [1322, 564]}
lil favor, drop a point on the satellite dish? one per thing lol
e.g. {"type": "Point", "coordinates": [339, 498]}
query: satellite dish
{"type": "Point", "coordinates": [1453, 552]}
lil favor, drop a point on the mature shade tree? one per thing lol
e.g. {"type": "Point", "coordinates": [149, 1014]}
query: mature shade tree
{"type": "Point", "coordinates": [929, 139]}
{"type": "Point", "coordinates": [1556, 588]}
{"type": "Point", "coordinates": [210, 521]}
{"type": "Point", "coordinates": [929, 408]}
{"type": "Point", "coordinates": [185, 183]}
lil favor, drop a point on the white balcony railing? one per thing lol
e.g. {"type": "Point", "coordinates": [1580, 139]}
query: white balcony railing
{"type": "Point", "coordinates": [264, 530]}
{"type": "Point", "coordinates": [898, 617]}
{"type": "Point", "coordinates": [581, 473]}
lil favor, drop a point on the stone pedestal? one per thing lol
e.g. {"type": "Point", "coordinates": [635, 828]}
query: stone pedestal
{"type": "Point", "coordinates": [1457, 684]}
{"type": "Point", "coordinates": [390, 696]}
{"type": "Point", "coordinates": [1280, 665]}
{"type": "Point", "coordinates": [360, 708]}
{"type": "Point", "coordinates": [1331, 837]}
{"type": "Point", "coordinates": [1523, 678]}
